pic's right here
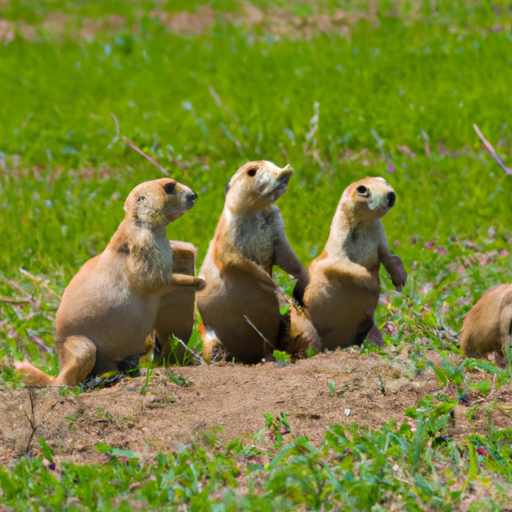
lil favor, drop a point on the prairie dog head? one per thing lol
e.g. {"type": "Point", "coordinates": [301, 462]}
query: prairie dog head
{"type": "Point", "coordinates": [255, 186]}
{"type": "Point", "coordinates": [368, 198]}
{"type": "Point", "coordinates": [159, 202]}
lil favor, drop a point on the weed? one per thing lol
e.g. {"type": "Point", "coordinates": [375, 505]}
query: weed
{"type": "Point", "coordinates": [277, 427]}
{"type": "Point", "coordinates": [281, 357]}
{"type": "Point", "coordinates": [146, 381]}
{"type": "Point", "coordinates": [179, 380]}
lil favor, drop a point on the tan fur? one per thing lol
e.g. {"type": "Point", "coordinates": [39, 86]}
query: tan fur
{"type": "Point", "coordinates": [344, 283]}
{"type": "Point", "coordinates": [297, 333]}
{"type": "Point", "coordinates": [176, 313]}
{"type": "Point", "coordinates": [488, 325]}
{"type": "Point", "coordinates": [110, 306]}
{"type": "Point", "coordinates": [239, 306]}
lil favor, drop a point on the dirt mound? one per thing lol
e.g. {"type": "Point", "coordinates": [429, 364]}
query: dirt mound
{"type": "Point", "coordinates": [147, 415]}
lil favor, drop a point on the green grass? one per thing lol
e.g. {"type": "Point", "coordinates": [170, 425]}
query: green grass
{"type": "Point", "coordinates": [414, 79]}
{"type": "Point", "coordinates": [400, 466]}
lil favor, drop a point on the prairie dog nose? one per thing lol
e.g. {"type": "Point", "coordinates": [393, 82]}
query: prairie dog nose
{"type": "Point", "coordinates": [391, 199]}
{"type": "Point", "coordinates": [192, 197]}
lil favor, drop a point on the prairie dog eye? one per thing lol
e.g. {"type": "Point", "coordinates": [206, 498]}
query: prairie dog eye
{"type": "Point", "coordinates": [169, 187]}
{"type": "Point", "coordinates": [141, 198]}
{"type": "Point", "coordinates": [363, 191]}
{"type": "Point", "coordinates": [252, 172]}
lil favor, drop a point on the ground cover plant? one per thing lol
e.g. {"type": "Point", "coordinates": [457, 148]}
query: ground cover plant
{"type": "Point", "coordinates": [338, 90]}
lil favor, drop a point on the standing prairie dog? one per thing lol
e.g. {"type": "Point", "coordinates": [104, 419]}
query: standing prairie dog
{"type": "Point", "coordinates": [239, 306]}
{"type": "Point", "coordinates": [344, 284]}
{"type": "Point", "coordinates": [488, 325]}
{"type": "Point", "coordinates": [110, 306]}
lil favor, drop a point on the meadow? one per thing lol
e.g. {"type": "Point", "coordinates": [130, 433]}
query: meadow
{"type": "Point", "coordinates": [340, 91]}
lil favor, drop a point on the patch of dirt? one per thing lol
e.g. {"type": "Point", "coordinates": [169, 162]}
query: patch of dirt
{"type": "Point", "coordinates": [370, 390]}
{"type": "Point", "coordinates": [59, 24]}
{"type": "Point", "coordinates": [187, 23]}
{"type": "Point", "coordinates": [280, 22]}
{"type": "Point", "coordinates": [7, 31]}
{"type": "Point", "coordinates": [277, 21]}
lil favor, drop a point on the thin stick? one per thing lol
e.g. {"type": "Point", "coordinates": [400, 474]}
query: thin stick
{"type": "Point", "coordinates": [39, 280]}
{"type": "Point", "coordinates": [38, 341]}
{"type": "Point", "coordinates": [282, 296]}
{"type": "Point", "coordinates": [258, 332]}
{"type": "Point", "coordinates": [10, 300]}
{"type": "Point", "coordinates": [196, 355]}
{"type": "Point", "coordinates": [215, 96]}
{"type": "Point", "coordinates": [130, 144]}
{"type": "Point", "coordinates": [16, 286]}
{"type": "Point", "coordinates": [118, 133]}
{"type": "Point", "coordinates": [492, 151]}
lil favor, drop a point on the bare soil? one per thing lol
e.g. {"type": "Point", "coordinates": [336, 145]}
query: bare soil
{"type": "Point", "coordinates": [370, 391]}
{"type": "Point", "coordinates": [278, 21]}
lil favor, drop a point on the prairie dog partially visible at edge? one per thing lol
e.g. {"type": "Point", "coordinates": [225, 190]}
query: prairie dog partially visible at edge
{"type": "Point", "coordinates": [239, 306]}
{"type": "Point", "coordinates": [344, 283]}
{"type": "Point", "coordinates": [488, 325]}
{"type": "Point", "coordinates": [110, 306]}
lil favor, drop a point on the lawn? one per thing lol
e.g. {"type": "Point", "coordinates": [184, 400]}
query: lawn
{"type": "Point", "coordinates": [340, 90]}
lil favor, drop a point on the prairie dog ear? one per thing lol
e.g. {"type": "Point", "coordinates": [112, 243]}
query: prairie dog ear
{"type": "Point", "coordinates": [170, 187]}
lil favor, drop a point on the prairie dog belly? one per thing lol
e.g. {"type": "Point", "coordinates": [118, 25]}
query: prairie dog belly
{"type": "Point", "coordinates": [248, 309]}
{"type": "Point", "coordinates": [116, 318]}
{"type": "Point", "coordinates": [339, 313]}
{"type": "Point", "coordinates": [126, 335]}
{"type": "Point", "coordinates": [231, 302]}
{"type": "Point", "coordinates": [253, 236]}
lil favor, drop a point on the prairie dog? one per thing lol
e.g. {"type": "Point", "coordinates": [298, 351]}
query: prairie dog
{"type": "Point", "coordinates": [344, 283]}
{"type": "Point", "coordinates": [110, 306]}
{"type": "Point", "coordinates": [239, 306]}
{"type": "Point", "coordinates": [488, 325]}
{"type": "Point", "coordinates": [176, 313]}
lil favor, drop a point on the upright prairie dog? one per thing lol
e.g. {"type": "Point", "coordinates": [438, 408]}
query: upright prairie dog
{"type": "Point", "coordinates": [344, 284]}
{"type": "Point", "coordinates": [488, 325]}
{"type": "Point", "coordinates": [239, 306]}
{"type": "Point", "coordinates": [110, 306]}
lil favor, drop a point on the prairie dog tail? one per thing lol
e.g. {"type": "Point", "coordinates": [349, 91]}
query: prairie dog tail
{"type": "Point", "coordinates": [297, 333]}
{"type": "Point", "coordinates": [506, 327]}
{"type": "Point", "coordinates": [32, 376]}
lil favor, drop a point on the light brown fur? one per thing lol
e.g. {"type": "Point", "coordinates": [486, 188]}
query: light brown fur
{"type": "Point", "coordinates": [239, 306]}
{"type": "Point", "coordinates": [297, 333]}
{"type": "Point", "coordinates": [344, 283]}
{"type": "Point", "coordinates": [110, 306]}
{"type": "Point", "coordinates": [488, 325]}
{"type": "Point", "coordinates": [176, 313]}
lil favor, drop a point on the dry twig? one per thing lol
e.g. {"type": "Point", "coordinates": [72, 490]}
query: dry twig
{"type": "Point", "coordinates": [40, 280]}
{"type": "Point", "coordinates": [491, 150]}
{"type": "Point", "coordinates": [197, 355]}
{"type": "Point", "coordinates": [15, 300]}
{"type": "Point", "coordinates": [265, 341]}
{"type": "Point", "coordinates": [131, 145]}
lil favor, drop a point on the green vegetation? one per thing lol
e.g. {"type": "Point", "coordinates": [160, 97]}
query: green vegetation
{"type": "Point", "coordinates": [405, 466]}
{"type": "Point", "coordinates": [391, 92]}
